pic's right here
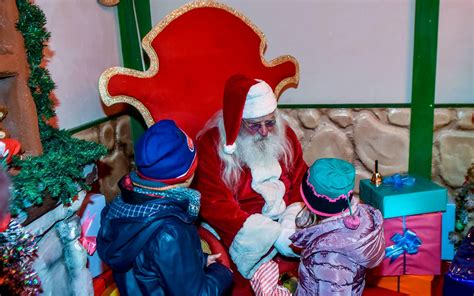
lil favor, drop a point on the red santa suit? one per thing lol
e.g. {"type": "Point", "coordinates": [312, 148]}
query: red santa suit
{"type": "Point", "coordinates": [236, 215]}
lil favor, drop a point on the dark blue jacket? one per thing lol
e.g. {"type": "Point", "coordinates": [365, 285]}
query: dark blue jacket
{"type": "Point", "coordinates": [153, 247]}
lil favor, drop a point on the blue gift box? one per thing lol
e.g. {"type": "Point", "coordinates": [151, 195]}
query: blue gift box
{"type": "Point", "coordinates": [395, 200]}
{"type": "Point", "coordinates": [448, 220]}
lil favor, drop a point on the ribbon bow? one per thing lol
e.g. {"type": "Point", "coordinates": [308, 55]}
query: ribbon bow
{"type": "Point", "coordinates": [398, 180]}
{"type": "Point", "coordinates": [409, 242]}
{"type": "Point", "coordinates": [88, 242]}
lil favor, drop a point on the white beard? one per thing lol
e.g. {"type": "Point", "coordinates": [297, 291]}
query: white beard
{"type": "Point", "coordinates": [261, 155]}
{"type": "Point", "coordinates": [255, 149]}
{"type": "Point", "coordinates": [251, 149]}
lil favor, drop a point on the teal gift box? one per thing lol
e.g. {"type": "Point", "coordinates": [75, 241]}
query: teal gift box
{"type": "Point", "coordinates": [448, 220]}
{"type": "Point", "coordinates": [422, 197]}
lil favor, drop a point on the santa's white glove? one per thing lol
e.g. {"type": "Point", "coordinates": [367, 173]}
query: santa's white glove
{"type": "Point", "coordinates": [251, 245]}
{"type": "Point", "coordinates": [282, 244]}
{"type": "Point", "coordinates": [288, 228]}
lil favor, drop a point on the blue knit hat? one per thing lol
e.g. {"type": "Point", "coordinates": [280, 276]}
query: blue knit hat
{"type": "Point", "coordinates": [165, 153]}
{"type": "Point", "coordinates": [327, 186]}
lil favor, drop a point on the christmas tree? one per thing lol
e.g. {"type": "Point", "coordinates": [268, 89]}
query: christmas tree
{"type": "Point", "coordinates": [464, 208]}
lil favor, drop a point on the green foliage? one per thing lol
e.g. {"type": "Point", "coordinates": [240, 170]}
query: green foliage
{"type": "Point", "coordinates": [464, 209]}
{"type": "Point", "coordinates": [59, 171]}
{"type": "Point", "coordinates": [31, 24]}
{"type": "Point", "coordinates": [41, 85]}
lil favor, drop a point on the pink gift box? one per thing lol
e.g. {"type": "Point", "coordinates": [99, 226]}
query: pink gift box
{"type": "Point", "coordinates": [422, 238]}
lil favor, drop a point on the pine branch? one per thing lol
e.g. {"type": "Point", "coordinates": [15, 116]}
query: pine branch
{"type": "Point", "coordinates": [59, 171]}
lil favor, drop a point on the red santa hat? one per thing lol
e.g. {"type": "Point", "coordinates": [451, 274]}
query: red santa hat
{"type": "Point", "coordinates": [244, 98]}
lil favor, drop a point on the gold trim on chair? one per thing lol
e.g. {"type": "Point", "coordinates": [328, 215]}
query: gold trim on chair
{"type": "Point", "coordinates": [154, 61]}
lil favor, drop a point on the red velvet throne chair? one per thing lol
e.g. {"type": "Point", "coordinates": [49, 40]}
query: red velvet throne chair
{"type": "Point", "coordinates": [192, 53]}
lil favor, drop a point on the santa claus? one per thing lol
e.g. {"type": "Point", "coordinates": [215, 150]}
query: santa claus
{"type": "Point", "coordinates": [249, 174]}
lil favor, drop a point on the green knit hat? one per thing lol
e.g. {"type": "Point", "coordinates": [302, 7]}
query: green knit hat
{"type": "Point", "coordinates": [328, 186]}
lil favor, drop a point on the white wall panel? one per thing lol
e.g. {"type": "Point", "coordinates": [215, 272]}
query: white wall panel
{"type": "Point", "coordinates": [84, 42]}
{"type": "Point", "coordinates": [350, 52]}
{"type": "Point", "coordinates": [455, 65]}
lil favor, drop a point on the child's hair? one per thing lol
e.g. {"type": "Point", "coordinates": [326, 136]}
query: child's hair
{"type": "Point", "coordinates": [305, 218]}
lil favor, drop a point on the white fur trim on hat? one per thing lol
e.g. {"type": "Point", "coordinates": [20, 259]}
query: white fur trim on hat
{"type": "Point", "coordinates": [230, 149]}
{"type": "Point", "coordinates": [260, 101]}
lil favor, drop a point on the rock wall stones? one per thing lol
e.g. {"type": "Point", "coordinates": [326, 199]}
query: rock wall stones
{"type": "Point", "coordinates": [453, 148]}
{"type": "Point", "coordinates": [466, 120]}
{"type": "Point", "coordinates": [358, 135]}
{"type": "Point", "coordinates": [364, 135]}
{"type": "Point", "coordinates": [116, 135]}
{"type": "Point", "coordinates": [376, 140]}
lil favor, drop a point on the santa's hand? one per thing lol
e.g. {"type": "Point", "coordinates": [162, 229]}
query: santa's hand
{"type": "Point", "coordinates": [288, 225]}
{"type": "Point", "coordinates": [282, 244]}
{"type": "Point", "coordinates": [251, 245]}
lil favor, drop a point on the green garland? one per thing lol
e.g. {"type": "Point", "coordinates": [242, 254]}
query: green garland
{"type": "Point", "coordinates": [464, 209]}
{"type": "Point", "coordinates": [31, 24]}
{"type": "Point", "coordinates": [59, 171]}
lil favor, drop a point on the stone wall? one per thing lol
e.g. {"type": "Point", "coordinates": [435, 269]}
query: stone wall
{"type": "Point", "coordinates": [357, 135]}
{"type": "Point", "coordinates": [453, 149]}
{"type": "Point", "coordinates": [116, 135]}
{"type": "Point", "coordinates": [364, 135]}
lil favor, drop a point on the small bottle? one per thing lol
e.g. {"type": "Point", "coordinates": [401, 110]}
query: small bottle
{"type": "Point", "coordinates": [376, 176]}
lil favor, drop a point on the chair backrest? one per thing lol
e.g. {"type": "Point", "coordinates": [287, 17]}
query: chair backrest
{"type": "Point", "coordinates": [192, 52]}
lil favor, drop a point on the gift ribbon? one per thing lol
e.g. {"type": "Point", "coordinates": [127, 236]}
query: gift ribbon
{"type": "Point", "coordinates": [398, 180]}
{"type": "Point", "coordinates": [88, 242]}
{"type": "Point", "coordinates": [409, 243]}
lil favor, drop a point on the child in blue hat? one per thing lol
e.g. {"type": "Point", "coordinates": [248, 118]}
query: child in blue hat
{"type": "Point", "coordinates": [147, 235]}
{"type": "Point", "coordinates": [339, 237]}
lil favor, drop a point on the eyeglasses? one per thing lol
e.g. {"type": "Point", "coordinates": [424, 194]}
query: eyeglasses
{"type": "Point", "coordinates": [255, 126]}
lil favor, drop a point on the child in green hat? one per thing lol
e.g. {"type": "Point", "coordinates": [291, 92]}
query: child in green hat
{"type": "Point", "coordinates": [339, 237]}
